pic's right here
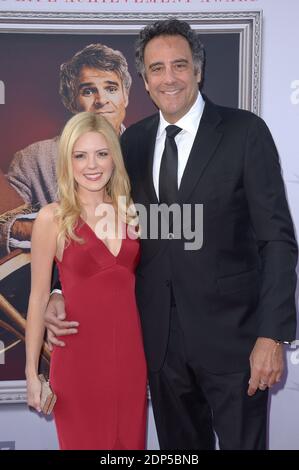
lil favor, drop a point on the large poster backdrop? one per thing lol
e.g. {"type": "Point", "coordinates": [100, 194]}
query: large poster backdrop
{"type": "Point", "coordinates": [279, 107]}
{"type": "Point", "coordinates": [30, 57]}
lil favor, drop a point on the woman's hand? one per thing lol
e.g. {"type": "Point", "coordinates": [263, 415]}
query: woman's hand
{"type": "Point", "coordinates": [34, 392]}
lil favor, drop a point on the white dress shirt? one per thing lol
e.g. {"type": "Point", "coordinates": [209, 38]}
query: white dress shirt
{"type": "Point", "coordinates": [184, 140]}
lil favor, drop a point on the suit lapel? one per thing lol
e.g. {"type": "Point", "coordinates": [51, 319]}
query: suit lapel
{"type": "Point", "coordinates": [206, 141]}
{"type": "Point", "coordinates": [148, 148]}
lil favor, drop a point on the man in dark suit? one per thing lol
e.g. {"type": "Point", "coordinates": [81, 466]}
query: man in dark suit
{"type": "Point", "coordinates": [213, 318]}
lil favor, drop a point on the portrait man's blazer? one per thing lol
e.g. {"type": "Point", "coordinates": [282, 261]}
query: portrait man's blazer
{"type": "Point", "coordinates": [240, 284]}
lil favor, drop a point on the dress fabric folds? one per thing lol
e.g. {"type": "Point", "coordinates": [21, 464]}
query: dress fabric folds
{"type": "Point", "coordinates": [100, 375]}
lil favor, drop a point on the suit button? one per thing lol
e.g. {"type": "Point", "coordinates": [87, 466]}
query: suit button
{"type": "Point", "coordinates": [170, 236]}
{"type": "Point", "coordinates": [167, 283]}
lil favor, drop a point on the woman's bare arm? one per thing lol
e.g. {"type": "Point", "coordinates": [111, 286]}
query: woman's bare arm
{"type": "Point", "coordinates": [44, 241]}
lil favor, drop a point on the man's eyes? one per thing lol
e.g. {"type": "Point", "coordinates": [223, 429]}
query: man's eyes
{"type": "Point", "coordinates": [179, 66]}
{"type": "Point", "coordinates": [88, 91]}
{"type": "Point", "coordinates": [156, 69]}
{"type": "Point", "coordinates": [111, 89]}
{"type": "Point", "coordinates": [93, 91]}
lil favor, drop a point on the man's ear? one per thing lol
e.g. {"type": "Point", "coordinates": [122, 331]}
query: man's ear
{"type": "Point", "coordinates": [198, 76]}
{"type": "Point", "coordinates": [145, 82]}
{"type": "Point", "coordinates": [126, 97]}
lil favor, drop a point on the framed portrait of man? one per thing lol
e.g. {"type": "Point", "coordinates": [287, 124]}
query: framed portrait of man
{"type": "Point", "coordinates": [46, 64]}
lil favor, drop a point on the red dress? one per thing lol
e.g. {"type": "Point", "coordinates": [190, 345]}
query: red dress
{"type": "Point", "coordinates": [100, 375]}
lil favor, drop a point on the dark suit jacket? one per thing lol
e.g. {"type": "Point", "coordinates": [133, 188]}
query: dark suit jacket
{"type": "Point", "coordinates": [241, 284]}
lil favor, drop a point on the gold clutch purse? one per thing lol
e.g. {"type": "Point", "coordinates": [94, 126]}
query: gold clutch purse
{"type": "Point", "coordinates": [48, 397]}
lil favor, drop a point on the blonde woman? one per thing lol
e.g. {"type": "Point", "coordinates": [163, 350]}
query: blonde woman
{"type": "Point", "coordinates": [100, 375]}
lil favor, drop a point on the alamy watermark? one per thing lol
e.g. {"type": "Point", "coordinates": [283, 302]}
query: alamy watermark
{"type": "Point", "coordinates": [295, 93]}
{"type": "Point", "coordinates": [294, 357]}
{"type": "Point", "coordinates": [2, 92]}
{"type": "Point", "coordinates": [2, 353]}
{"type": "Point", "coordinates": [157, 221]}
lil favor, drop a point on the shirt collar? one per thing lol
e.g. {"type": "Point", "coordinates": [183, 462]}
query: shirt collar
{"type": "Point", "coordinates": [189, 122]}
{"type": "Point", "coordinates": [122, 129]}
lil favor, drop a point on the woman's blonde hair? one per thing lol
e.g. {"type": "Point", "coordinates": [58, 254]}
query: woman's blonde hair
{"type": "Point", "coordinates": [70, 207]}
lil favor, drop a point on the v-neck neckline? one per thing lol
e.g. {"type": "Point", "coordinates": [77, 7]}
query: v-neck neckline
{"type": "Point", "coordinates": [103, 243]}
